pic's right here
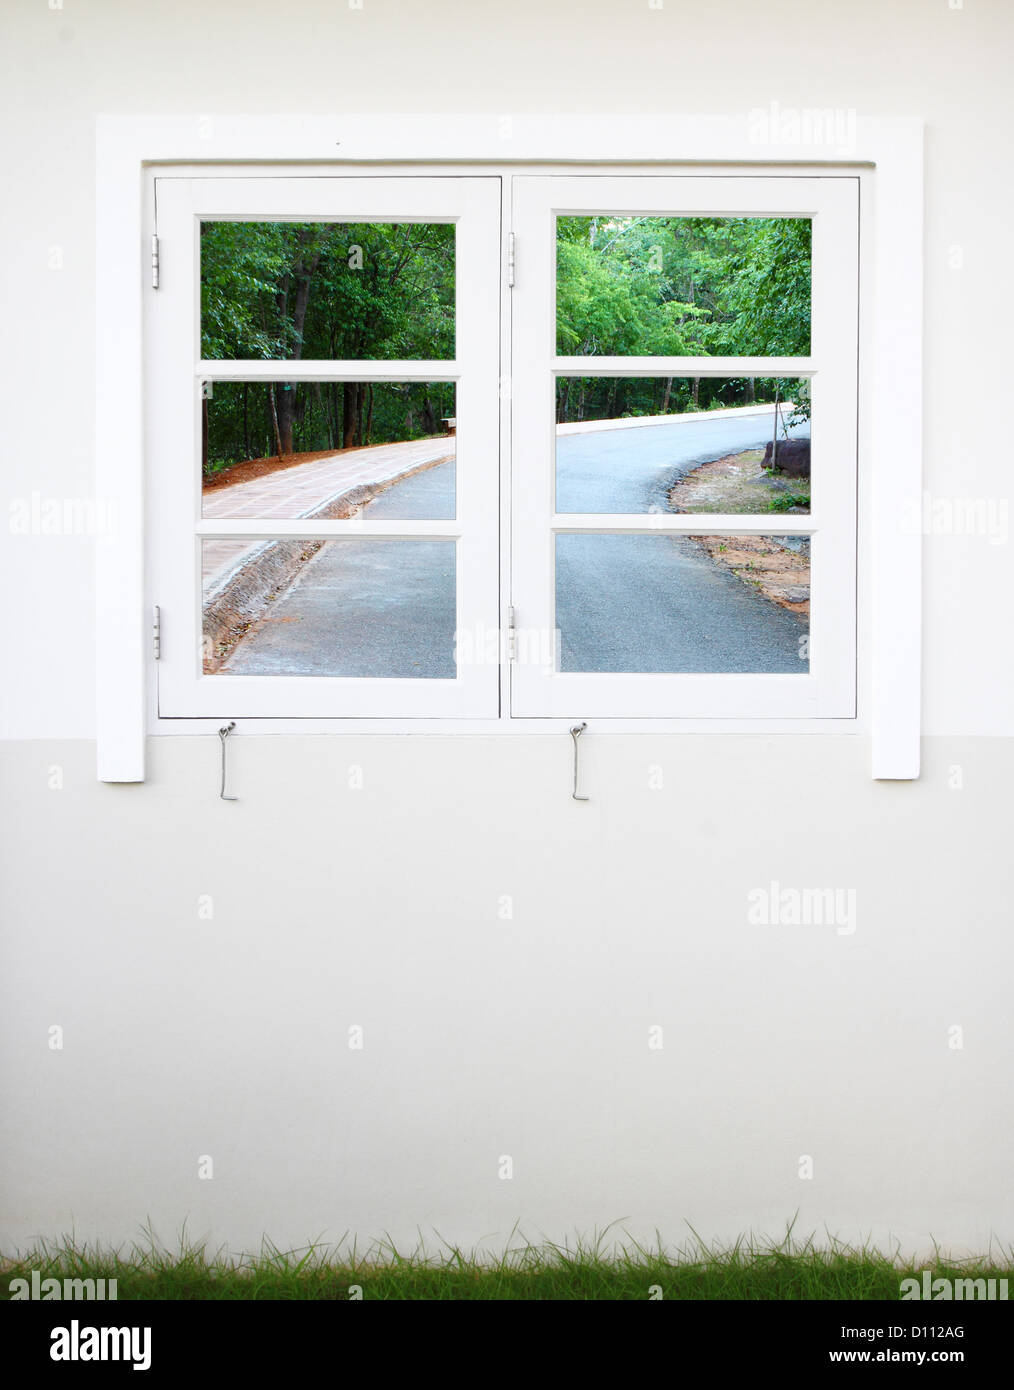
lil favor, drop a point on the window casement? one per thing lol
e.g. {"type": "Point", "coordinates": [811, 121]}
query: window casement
{"type": "Point", "coordinates": [658, 625]}
{"type": "Point", "coordinates": [351, 649]}
{"type": "Point", "coordinates": [552, 575]}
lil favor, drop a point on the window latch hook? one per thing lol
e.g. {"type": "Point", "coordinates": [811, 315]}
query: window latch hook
{"type": "Point", "coordinates": [576, 731]}
{"type": "Point", "coordinates": [223, 734]}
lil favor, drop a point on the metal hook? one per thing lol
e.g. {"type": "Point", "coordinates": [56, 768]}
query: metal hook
{"type": "Point", "coordinates": [223, 734]}
{"type": "Point", "coordinates": [576, 731]}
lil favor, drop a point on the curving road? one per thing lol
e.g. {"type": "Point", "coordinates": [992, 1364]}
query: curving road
{"type": "Point", "coordinates": [632, 469]}
{"type": "Point", "coordinates": [624, 603]}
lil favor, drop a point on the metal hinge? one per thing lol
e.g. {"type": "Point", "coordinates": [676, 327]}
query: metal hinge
{"type": "Point", "coordinates": [510, 260]}
{"type": "Point", "coordinates": [512, 636]}
{"type": "Point", "coordinates": [156, 631]}
{"type": "Point", "coordinates": [154, 261]}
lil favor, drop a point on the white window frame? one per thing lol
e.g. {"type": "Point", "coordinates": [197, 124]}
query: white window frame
{"type": "Point", "coordinates": [177, 375]}
{"type": "Point", "coordinates": [825, 686]}
{"type": "Point", "coordinates": [887, 153]}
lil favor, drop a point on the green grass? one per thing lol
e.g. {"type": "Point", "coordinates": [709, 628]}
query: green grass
{"type": "Point", "coordinates": [747, 1270]}
{"type": "Point", "coordinates": [785, 501]}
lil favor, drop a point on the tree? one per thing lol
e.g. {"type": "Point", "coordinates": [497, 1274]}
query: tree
{"type": "Point", "coordinates": [683, 286]}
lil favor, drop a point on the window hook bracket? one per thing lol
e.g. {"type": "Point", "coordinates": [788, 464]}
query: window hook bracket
{"type": "Point", "coordinates": [576, 731]}
{"type": "Point", "coordinates": [223, 734]}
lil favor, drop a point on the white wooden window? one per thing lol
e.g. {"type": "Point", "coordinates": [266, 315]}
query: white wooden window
{"type": "Point", "coordinates": [182, 533]}
{"type": "Point", "coordinates": [135, 154]}
{"type": "Point", "coordinates": [814, 675]}
{"type": "Point", "coordinates": [824, 681]}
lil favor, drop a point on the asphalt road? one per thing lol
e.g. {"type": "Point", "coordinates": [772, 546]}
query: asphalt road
{"type": "Point", "coordinates": [632, 470]}
{"type": "Point", "coordinates": [368, 607]}
{"type": "Point", "coordinates": [360, 608]}
{"type": "Point", "coordinates": [426, 496]}
{"type": "Point", "coordinates": [624, 603]}
{"type": "Point", "coordinates": [658, 603]}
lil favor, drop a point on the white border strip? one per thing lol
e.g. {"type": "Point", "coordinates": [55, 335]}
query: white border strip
{"type": "Point", "coordinates": [119, 412]}
{"type": "Point", "coordinates": [895, 379]}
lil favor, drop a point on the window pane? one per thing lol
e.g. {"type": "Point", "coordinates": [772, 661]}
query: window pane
{"type": "Point", "coordinates": [683, 604]}
{"type": "Point", "coordinates": [328, 449]}
{"type": "Point", "coordinates": [290, 290]}
{"type": "Point", "coordinates": [683, 286]}
{"type": "Point", "coordinates": [682, 444]}
{"type": "Point", "coordinates": [363, 607]}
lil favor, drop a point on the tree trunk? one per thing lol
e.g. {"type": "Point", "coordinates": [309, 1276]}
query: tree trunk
{"type": "Point", "coordinates": [774, 437]}
{"type": "Point", "coordinates": [751, 390]}
{"type": "Point", "coordinates": [303, 271]}
{"type": "Point", "coordinates": [204, 437]}
{"type": "Point", "coordinates": [273, 407]}
{"type": "Point", "coordinates": [320, 429]}
{"type": "Point", "coordinates": [696, 392]}
{"type": "Point", "coordinates": [352, 414]}
{"type": "Point", "coordinates": [668, 393]}
{"type": "Point", "coordinates": [286, 411]}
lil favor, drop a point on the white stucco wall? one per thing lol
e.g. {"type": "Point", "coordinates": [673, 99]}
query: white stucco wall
{"type": "Point", "coordinates": [381, 907]}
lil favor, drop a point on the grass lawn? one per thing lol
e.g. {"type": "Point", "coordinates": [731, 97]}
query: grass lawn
{"type": "Point", "coordinates": [745, 1271]}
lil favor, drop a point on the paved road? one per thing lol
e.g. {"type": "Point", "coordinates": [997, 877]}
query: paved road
{"type": "Point", "coordinates": [632, 470]}
{"type": "Point", "coordinates": [624, 603]}
{"type": "Point", "coordinates": [367, 607]}
{"type": "Point", "coordinates": [658, 603]}
{"type": "Point", "coordinates": [426, 496]}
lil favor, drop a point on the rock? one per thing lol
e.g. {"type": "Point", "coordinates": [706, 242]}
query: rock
{"type": "Point", "coordinates": [793, 457]}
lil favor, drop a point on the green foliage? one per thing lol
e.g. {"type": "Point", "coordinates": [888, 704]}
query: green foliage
{"type": "Point", "coordinates": [373, 290]}
{"type": "Point", "coordinates": [701, 287]}
{"type": "Point", "coordinates": [613, 398]}
{"type": "Point", "coordinates": [787, 501]}
{"type": "Point", "coordinates": [242, 264]}
{"type": "Point", "coordinates": [683, 286]}
{"type": "Point", "coordinates": [768, 293]}
{"type": "Point", "coordinates": [382, 291]}
{"type": "Point", "coordinates": [284, 291]}
{"type": "Point", "coordinates": [240, 421]}
{"type": "Point", "coordinates": [799, 393]}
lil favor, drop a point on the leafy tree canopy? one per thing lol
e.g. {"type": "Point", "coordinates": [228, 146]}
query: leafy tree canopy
{"type": "Point", "coordinates": [683, 286]}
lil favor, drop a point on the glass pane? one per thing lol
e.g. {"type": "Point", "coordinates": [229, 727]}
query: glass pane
{"type": "Point", "coordinates": [682, 444]}
{"type": "Point", "coordinates": [328, 449]}
{"type": "Point", "coordinates": [363, 607]}
{"type": "Point", "coordinates": [683, 286]}
{"type": "Point", "coordinates": [290, 290]}
{"type": "Point", "coordinates": [683, 603]}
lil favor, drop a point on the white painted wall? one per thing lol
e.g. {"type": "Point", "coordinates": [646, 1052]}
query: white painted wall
{"type": "Point", "coordinates": [379, 907]}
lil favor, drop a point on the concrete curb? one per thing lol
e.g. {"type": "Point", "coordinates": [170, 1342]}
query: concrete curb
{"type": "Point", "coordinates": [636, 421]}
